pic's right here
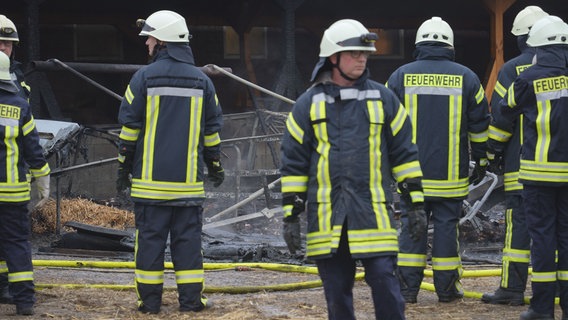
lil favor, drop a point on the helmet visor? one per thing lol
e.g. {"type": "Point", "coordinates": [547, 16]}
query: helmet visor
{"type": "Point", "coordinates": [365, 40]}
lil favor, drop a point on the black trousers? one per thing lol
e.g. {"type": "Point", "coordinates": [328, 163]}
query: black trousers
{"type": "Point", "coordinates": [547, 221]}
{"type": "Point", "coordinates": [184, 226]}
{"type": "Point", "coordinates": [15, 232]}
{"type": "Point", "coordinates": [338, 276]}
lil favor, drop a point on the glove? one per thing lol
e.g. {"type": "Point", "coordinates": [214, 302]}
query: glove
{"type": "Point", "coordinates": [291, 232]}
{"type": "Point", "coordinates": [496, 162]}
{"type": "Point", "coordinates": [42, 184]}
{"type": "Point", "coordinates": [215, 172]}
{"type": "Point", "coordinates": [478, 172]}
{"type": "Point", "coordinates": [417, 225]}
{"type": "Point", "coordinates": [123, 179]}
{"type": "Point", "coordinates": [293, 204]}
{"type": "Point", "coordinates": [124, 169]}
{"type": "Point", "coordinates": [416, 215]}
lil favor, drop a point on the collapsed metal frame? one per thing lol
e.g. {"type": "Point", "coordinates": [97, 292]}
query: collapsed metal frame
{"type": "Point", "coordinates": [233, 143]}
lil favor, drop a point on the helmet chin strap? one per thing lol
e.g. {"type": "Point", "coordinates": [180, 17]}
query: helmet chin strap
{"type": "Point", "coordinates": [336, 65]}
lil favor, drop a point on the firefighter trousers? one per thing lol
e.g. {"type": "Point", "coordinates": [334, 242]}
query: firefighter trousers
{"type": "Point", "coordinates": [516, 248]}
{"type": "Point", "coordinates": [446, 263]}
{"type": "Point", "coordinates": [184, 226]}
{"type": "Point", "coordinates": [15, 232]}
{"type": "Point", "coordinates": [338, 276]}
{"type": "Point", "coordinates": [547, 221]}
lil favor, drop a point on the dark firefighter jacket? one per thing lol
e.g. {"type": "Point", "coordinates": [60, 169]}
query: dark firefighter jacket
{"type": "Point", "coordinates": [512, 150]}
{"type": "Point", "coordinates": [343, 145]}
{"type": "Point", "coordinates": [170, 116]}
{"type": "Point", "coordinates": [540, 94]}
{"type": "Point", "coordinates": [18, 78]}
{"type": "Point", "coordinates": [20, 151]}
{"type": "Point", "coordinates": [449, 113]}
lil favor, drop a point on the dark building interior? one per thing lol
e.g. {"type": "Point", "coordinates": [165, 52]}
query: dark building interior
{"type": "Point", "coordinates": [272, 43]}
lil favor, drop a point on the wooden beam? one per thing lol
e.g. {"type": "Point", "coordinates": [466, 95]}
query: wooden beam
{"type": "Point", "coordinates": [497, 9]}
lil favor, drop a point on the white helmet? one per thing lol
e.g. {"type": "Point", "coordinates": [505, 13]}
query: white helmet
{"type": "Point", "coordinates": [164, 25]}
{"type": "Point", "coordinates": [4, 67]}
{"type": "Point", "coordinates": [8, 29]}
{"type": "Point", "coordinates": [548, 30]}
{"type": "Point", "coordinates": [525, 20]}
{"type": "Point", "coordinates": [435, 29]}
{"type": "Point", "coordinates": [347, 35]}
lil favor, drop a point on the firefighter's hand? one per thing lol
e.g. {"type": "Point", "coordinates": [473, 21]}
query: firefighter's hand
{"type": "Point", "coordinates": [42, 184]}
{"type": "Point", "coordinates": [417, 225]}
{"type": "Point", "coordinates": [478, 172]}
{"type": "Point", "coordinates": [291, 232]}
{"type": "Point", "coordinates": [123, 179]}
{"type": "Point", "coordinates": [215, 172]}
{"type": "Point", "coordinates": [496, 163]}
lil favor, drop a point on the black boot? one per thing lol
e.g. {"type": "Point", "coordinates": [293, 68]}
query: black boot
{"type": "Point", "coordinates": [5, 296]}
{"type": "Point", "coordinates": [504, 296]}
{"type": "Point", "coordinates": [532, 315]}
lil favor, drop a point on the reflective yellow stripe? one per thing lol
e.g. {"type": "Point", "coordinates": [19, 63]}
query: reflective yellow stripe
{"type": "Point", "coordinates": [152, 111]}
{"type": "Point", "coordinates": [166, 190]}
{"type": "Point", "coordinates": [500, 90]}
{"type": "Point", "coordinates": [294, 184]}
{"type": "Point", "coordinates": [3, 267]}
{"type": "Point", "coordinates": [149, 277]}
{"type": "Point", "coordinates": [544, 171]}
{"type": "Point", "coordinates": [407, 170]}
{"type": "Point", "coordinates": [318, 112]}
{"type": "Point", "coordinates": [446, 188]}
{"type": "Point", "coordinates": [543, 276]}
{"type": "Point", "coordinates": [479, 137]}
{"type": "Point", "coordinates": [12, 154]}
{"type": "Point", "coordinates": [480, 95]}
{"type": "Point", "coordinates": [562, 275]}
{"type": "Point", "coordinates": [449, 263]}
{"type": "Point", "coordinates": [212, 140]}
{"type": "Point", "coordinates": [511, 181]}
{"type": "Point", "coordinates": [193, 142]}
{"type": "Point", "coordinates": [376, 121]}
{"type": "Point", "coordinates": [129, 134]}
{"type": "Point", "coordinates": [398, 122]}
{"type": "Point", "coordinates": [43, 171]}
{"type": "Point", "coordinates": [410, 102]}
{"type": "Point", "coordinates": [189, 276]}
{"type": "Point", "coordinates": [294, 129]}
{"type": "Point", "coordinates": [542, 123]}
{"type": "Point", "coordinates": [511, 96]}
{"type": "Point", "coordinates": [455, 115]}
{"type": "Point", "coordinates": [321, 242]}
{"type": "Point", "coordinates": [21, 276]}
{"type": "Point", "coordinates": [514, 255]}
{"type": "Point", "coordinates": [128, 95]}
{"type": "Point", "coordinates": [29, 126]}
{"type": "Point", "coordinates": [411, 260]}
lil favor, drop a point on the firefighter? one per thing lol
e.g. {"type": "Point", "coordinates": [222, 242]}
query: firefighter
{"type": "Point", "coordinates": [449, 113]}
{"type": "Point", "coordinates": [170, 118]}
{"type": "Point", "coordinates": [516, 249]}
{"type": "Point", "coordinates": [345, 140]}
{"type": "Point", "coordinates": [540, 94]}
{"type": "Point", "coordinates": [9, 39]}
{"type": "Point", "coordinates": [20, 153]}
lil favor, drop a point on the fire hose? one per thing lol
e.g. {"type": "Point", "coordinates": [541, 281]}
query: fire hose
{"type": "Point", "coordinates": [279, 267]}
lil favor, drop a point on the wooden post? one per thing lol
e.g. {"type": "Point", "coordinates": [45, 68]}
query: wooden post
{"type": "Point", "coordinates": [497, 8]}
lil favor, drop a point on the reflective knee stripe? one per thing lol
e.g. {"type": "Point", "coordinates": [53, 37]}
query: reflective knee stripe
{"type": "Point", "coordinates": [411, 260]}
{"type": "Point", "coordinates": [543, 276]}
{"type": "Point", "coordinates": [513, 255]}
{"type": "Point", "coordinates": [3, 267]}
{"type": "Point", "coordinates": [189, 276]}
{"type": "Point", "coordinates": [21, 276]}
{"type": "Point", "coordinates": [149, 277]}
{"type": "Point", "coordinates": [450, 263]}
{"type": "Point", "coordinates": [562, 275]}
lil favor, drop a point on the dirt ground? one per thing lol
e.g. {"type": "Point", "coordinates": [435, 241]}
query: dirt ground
{"type": "Point", "coordinates": [66, 293]}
